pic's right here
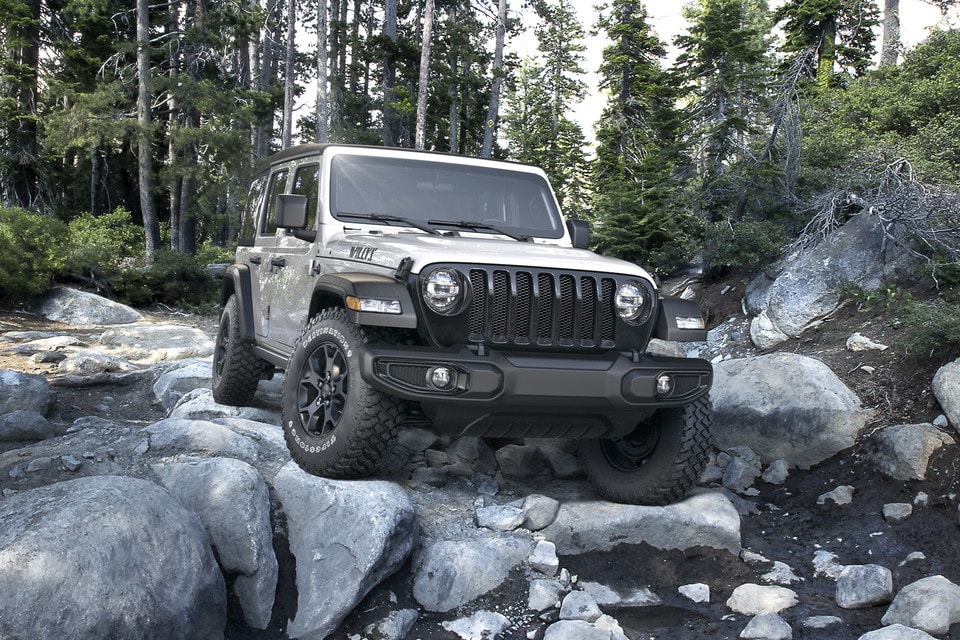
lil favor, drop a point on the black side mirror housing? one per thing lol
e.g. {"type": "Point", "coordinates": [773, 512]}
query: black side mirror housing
{"type": "Point", "coordinates": [579, 233]}
{"type": "Point", "coordinates": [291, 211]}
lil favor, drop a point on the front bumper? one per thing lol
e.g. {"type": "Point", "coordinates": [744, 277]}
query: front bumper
{"type": "Point", "coordinates": [523, 394]}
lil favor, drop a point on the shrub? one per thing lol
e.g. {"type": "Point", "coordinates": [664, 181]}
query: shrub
{"type": "Point", "coordinates": [99, 245]}
{"type": "Point", "coordinates": [31, 252]}
{"type": "Point", "coordinates": [931, 327]}
{"type": "Point", "coordinates": [173, 278]}
{"type": "Point", "coordinates": [750, 244]}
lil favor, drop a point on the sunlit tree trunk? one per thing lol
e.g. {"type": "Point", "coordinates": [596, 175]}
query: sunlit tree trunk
{"type": "Point", "coordinates": [323, 95]}
{"type": "Point", "coordinates": [423, 88]}
{"type": "Point", "coordinates": [289, 74]}
{"type": "Point", "coordinates": [890, 48]}
{"type": "Point", "coordinates": [148, 207]}
{"type": "Point", "coordinates": [490, 124]}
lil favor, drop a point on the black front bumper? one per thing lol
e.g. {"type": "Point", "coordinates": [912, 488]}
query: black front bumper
{"type": "Point", "coordinates": [524, 394]}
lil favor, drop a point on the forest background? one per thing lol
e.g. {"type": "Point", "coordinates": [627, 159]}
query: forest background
{"type": "Point", "coordinates": [129, 128]}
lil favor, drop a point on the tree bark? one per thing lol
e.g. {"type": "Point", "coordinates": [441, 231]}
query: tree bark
{"type": "Point", "coordinates": [890, 47]}
{"type": "Point", "coordinates": [390, 75]}
{"type": "Point", "coordinates": [423, 87]}
{"type": "Point", "coordinates": [493, 109]}
{"type": "Point", "coordinates": [175, 184]}
{"type": "Point", "coordinates": [148, 207]}
{"type": "Point", "coordinates": [828, 53]}
{"type": "Point", "coordinates": [323, 95]}
{"type": "Point", "coordinates": [289, 74]}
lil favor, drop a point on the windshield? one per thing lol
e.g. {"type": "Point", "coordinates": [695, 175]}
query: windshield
{"type": "Point", "coordinates": [434, 192]}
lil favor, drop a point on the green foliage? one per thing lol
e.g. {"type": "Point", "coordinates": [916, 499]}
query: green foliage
{"type": "Point", "coordinates": [30, 252]}
{"type": "Point", "coordinates": [750, 244]}
{"type": "Point", "coordinates": [872, 300]}
{"type": "Point", "coordinates": [930, 327]}
{"type": "Point", "coordinates": [98, 245]}
{"type": "Point", "coordinates": [172, 278]}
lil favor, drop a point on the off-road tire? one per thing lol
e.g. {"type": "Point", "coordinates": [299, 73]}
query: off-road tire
{"type": "Point", "coordinates": [236, 369]}
{"type": "Point", "coordinates": [656, 464]}
{"type": "Point", "coordinates": [335, 424]}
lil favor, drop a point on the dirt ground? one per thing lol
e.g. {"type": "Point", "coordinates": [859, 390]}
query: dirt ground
{"type": "Point", "coordinates": [786, 525]}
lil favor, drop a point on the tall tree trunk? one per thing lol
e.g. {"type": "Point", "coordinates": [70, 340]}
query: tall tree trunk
{"type": "Point", "coordinates": [828, 53]}
{"type": "Point", "coordinates": [493, 110]}
{"type": "Point", "coordinates": [454, 62]}
{"type": "Point", "coordinates": [335, 44]}
{"type": "Point", "coordinates": [264, 129]}
{"type": "Point", "coordinates": [289, 74]}
{"type": "Point", "coordinates": [890, 48]}
{"type": "Point", "coordinates": [423, 87]}
{"type": "Point", "coordinates": [148, 207]}
{"type": "Point", "coordinates": [323, 95]}
{"type": "Point", "coordinates": [175, 185]}
{"type": "Point", "coordinates": [390, 74]}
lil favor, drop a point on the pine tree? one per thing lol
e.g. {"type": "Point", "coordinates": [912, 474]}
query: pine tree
{"type": "Point", "coordinates": [723, 64]}
{"type": "Point", "coordinates": [639, 217]}
{"type": "Point", "coordinates": [841, 32]}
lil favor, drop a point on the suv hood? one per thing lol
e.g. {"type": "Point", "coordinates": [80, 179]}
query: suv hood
{"type": "Point", "coordinates": [388, 249]}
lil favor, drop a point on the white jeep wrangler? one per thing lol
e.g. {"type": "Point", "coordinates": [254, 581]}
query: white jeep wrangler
{"type": "Point", "coordinates": [398, 287]}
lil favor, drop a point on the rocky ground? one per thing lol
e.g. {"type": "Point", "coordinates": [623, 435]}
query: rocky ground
{"type": "Point", "coordinates": [783, 523]}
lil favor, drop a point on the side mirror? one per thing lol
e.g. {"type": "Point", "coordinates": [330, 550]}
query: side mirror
{"type": "Point", "coordinates": [579, 233]}
{"type": "Point", "coordinates": [291, 212]}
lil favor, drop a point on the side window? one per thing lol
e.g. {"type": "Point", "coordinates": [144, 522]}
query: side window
{"type": "Point", "coordinates": [248, 217]}
{"type": "Point", "coordinates": [306, 182]}
{"type": "Point", "coordinates": [278, 182]}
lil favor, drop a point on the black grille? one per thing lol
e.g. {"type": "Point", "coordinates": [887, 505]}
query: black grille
{"type": "Point", "coordinates": [541, 308]}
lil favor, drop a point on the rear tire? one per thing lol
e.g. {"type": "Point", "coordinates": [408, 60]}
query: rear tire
{"type": "Point", "coordinates": [236, 370]}
{"type": "Point", "coordinates": [335, 424]}
{"type": "Point", "coordinates": [658, 462]}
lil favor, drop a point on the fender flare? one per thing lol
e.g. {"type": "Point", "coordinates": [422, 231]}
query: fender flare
{"type": "Point", "coordinates": [670, 309]}
{"type": "Point", "coordinates": [366, 285]}
{"type": "Point", "coordinates": [236, 281]}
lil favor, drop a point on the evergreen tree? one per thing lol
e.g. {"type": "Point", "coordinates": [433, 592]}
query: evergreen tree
{"type": "Point", "coordinates": [639, 217]}
{"type": "Point", "coordinates": [840, 31]}
{"type": "Point", "coordinates": [723, 63]}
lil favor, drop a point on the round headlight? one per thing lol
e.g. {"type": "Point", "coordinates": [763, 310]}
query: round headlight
{"type": "Point", "coordinates": [443, 290]}
{"type": "Point", "coordinates": [633, 303]}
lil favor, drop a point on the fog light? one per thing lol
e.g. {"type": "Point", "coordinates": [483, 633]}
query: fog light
{"type": "Point", "coordinates": [690, 323]}
{"type": "Point", "coordinates": [664, 385]}
{"type": "Point", "coordinates": [440, 377]}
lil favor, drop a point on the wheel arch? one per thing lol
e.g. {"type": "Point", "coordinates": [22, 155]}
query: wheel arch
{"type": "Point", "coordinates": [332, 290]}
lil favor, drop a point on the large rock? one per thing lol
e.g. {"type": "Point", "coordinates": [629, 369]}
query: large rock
{"type": "Point", "coordinates": [106, 557]}
{"type": "Point", "coordinates": [784, 406]}
{"type": "Point", "coordinates": [200, 405]}
{"type": "Point", "coordinates": [451, 573]}
{"type": "Point", "coordinates": [145, 342]}
{"type": "Point", "coordinates": [903, 451]}
{"type": "Point", "coordinates": [70, 306]}
{"type": "Point", "coordinates": [946, 388]}
{"type": "Point", "coordinates": [346, 538]}
{"type": "Point", "coordinates": [25, 392]}
{"type": "Point", "coordinates": [805, 291]}
{"type": "Point", "coordinates": [233, 503]}
{"type": "Point", "coordinates": [930, 604]}
{"type": "Point", "coordinates": [199, 437]}
{"type": "Point", "coordinates": [177, 381]}
{"type": "Point", "coordinates": [706, 519]}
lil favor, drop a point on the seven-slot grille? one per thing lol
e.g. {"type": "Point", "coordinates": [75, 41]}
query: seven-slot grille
{"type": "Point", "coordinates": [523, 307]}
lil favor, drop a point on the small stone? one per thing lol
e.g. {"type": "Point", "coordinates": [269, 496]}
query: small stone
{"type": "Point", "coordinates": [39, 464]}
{"type": "Point", "coordinates": [841, 495]}
{"type": "Point", "coordinates": [499, 517]}
{"type": "Point", "coordinates": [897, 511]}
{"type": "Point", "coordinates": [436, 458]}
{"type": "Point", "coordinates": [921, 499]}
{"type": "Point", "coordinates": [539, 511]}
{"type": "Point", "coordinates": [941, 421]}
{"type": "Point", "coordinates": [71, 463]}
{"type": "Point", "coordinates": [821, 622]}
{"type": "Point", "coordinates": [543, 594]}
{"type": "Point", "coordinates": [826, 564]}
{"type": "Point", "coordinates": [777, 472]}
{"type": "Point", "coordinates": [141, 448]}
{"type": "Point", "coordinates": [482, 624]}
{"type": "Point", "coordinates": [16, 472]}
{"type": "Point", "coordinates": [711, 474]}
{"type": "Point", "coordinates": [782, 573]}
{"type": "Point", "coordinates": [767, 626]}
{"type": "Point", "coordinates": [858, 342]}
{"type": "Point", "coordinates": [544, 558]}
{"type": "Point", "coordinates": [754, 599]}
{"type": "Point", "coordinates": [697, 592]}
{"type": "Point", "coordinates": [487, 485]}
{"type": "Point", "coordinates": [579, 605]}
{"type": "Point", "coordinates": [429, 476]}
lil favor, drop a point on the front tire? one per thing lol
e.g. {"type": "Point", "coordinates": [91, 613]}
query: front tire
{"type": "Point", "coordinates": [335, 424]}
{"type": "Point", "coordinates": [658, 462]}
{"type": "Point", "coordinates": [236, 369]}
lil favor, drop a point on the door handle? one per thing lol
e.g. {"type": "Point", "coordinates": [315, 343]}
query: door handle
{"type": "Point", "coordinates": [255, 259]}
{"type": "Point", "coordinates": [278, 262]}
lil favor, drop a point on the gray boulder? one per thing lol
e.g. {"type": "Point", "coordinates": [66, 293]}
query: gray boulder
{"type": "Point", "coordinates": [903, 451]}
{"type": "Point", "coordinates": [946, 389]}
{"type": "Point", "coordinates": [931, 604]}
{"type": "Point", "coordinates": [754, 599]}
{"type": "Point", "coordinates": [767, 626]}
{"type": "Point", "coordinates": [200, 405]}
{"type": "Point", "coordinates": [805, 290]}
{"type": "Point", "coordinates": [576, 630]}
{"type": "Point", "coordinates": [861, 586]}
{"type": "Point", "coordinates": [784, 406]}
{"type": "Point", "coordinates": [107, 557]}
{"type": "Point", "coordinates": [26, 392]}
{"type": "Point", "coordinates": [707, 519]}
{"type": "Point", "coordinates": [177, 381]}
{"type": "Point", "coordinates": [897, 632]}
{"type": "Point", "coordinates": [346, 538]}
{"type": "Point", "coordinates": [174, 436]}
{"type": "Point", "coordinates": [233, 503]}
{"type": "Point", "coordinates": [451, 573]}
{"type": "Point", "coordinates": [144, 342]}
{"type": "Point", "coordinates": [70, 306]}
{"type": "Point", "coordinates": [24, 425]}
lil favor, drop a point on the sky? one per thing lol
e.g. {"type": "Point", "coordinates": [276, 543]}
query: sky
{"type": "Point", "coordinates": [916, 19]}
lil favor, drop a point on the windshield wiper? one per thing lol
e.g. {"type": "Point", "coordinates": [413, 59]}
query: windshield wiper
{"type": "Point", "coordinates": [386, 217]}
{"type": "Point", "coordinates": [469, 224]}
